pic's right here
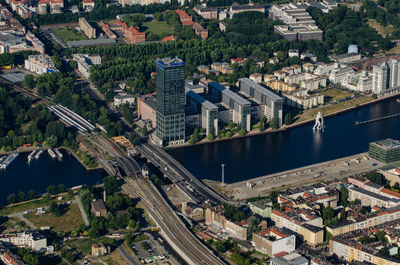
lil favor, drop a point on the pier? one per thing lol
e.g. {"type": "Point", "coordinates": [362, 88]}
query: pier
{"type": "Point", "coordinates": [377, 119]}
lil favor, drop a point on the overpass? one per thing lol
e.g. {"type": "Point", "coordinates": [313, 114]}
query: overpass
{"type": "Point", "coordinates": [178, 174]}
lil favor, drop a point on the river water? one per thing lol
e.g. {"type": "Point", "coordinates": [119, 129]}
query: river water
{"type": "Point", "coordinates": [39, 174]}
{"type": "Point", "coordinates": [261, 155]}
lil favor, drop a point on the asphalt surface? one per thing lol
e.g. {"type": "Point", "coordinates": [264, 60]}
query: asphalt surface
{"type": "Point", "coordinates": [126, 255]}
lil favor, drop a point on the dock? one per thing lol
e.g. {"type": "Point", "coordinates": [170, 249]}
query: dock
{"type": "Point", "coordinates": [38, 154]}
{"type": "Point", "coordinates": [377, 119]}
{"type": "Point", "coordinates": [51, 153]}
{"type": "Point", "coordinates": [59, 154]}
{"type": "Point", "coordinates": [8, 160]}
{"type": "Point", "coordinates": [31, 155]}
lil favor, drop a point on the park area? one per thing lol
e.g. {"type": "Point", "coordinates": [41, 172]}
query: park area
{"type": "Point", "coordinates": [69, 34]}
{"type": "Point", "coordinates": [159, 28]}
{"type": "Point", "coordinates": [70, 220]}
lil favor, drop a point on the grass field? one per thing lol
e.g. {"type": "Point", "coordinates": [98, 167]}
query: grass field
{"type": "Point", "coordinates": [69, 221]}
{"type": "Point", "coordinates": [383, 31]}
{"type": "Point", "coordinates": [115, 258]}
{"type": "Point", "coordinates": [69, 34]}
{"type": "Point", "coordinates": [159, 28]}
{"type": "Point", "coordinates": [336, 94]}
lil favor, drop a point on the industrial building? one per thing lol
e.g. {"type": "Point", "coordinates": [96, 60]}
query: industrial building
{"type": "Point", "coordinates": [386, 151]}
{"type": "Point", "coordinates": [271, 103]}
{"type": "Point", "coordinates": [170, 103]}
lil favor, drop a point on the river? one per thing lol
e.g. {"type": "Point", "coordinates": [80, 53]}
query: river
{"type": "Point", "coordinates": [19, 176]}
{"type": "Point", "coordinates": [260, 155]}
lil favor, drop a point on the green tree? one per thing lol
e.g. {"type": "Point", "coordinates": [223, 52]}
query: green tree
{"type": "Point", "coordinates": [111, 185]}
{"type": "Point", "coordinates": [242, 132]}
{"type": "Point", "coordinates": [288, 119]}
{"type": "Point", "coordinates": [55, 209]}
{"type": "Point", "coordinates": [61, 188]}
{"type": "Point", "coordinates": [52, 190]}
{"type": "Point", "coordinates": [344, 195]}
{"type": "Point", "coordinates": [31, 194]}
{"type": "Point", "coordinates": [29, 81]}
{"type": "Point", "coordinates": [21, 196]}
{"type": "Point", "coordinates": [12, 198]}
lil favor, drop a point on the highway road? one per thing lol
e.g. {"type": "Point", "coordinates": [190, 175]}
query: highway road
{"type": "Point", "coordinates": [178, 174]}
{"type": "Point", "coordinates": [173, 229]}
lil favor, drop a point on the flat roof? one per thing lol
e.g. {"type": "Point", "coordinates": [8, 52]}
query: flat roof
{"type": "Point", "coordinates": [207, 104]}
{"type": "Point", "coordinates": [229, 93]}
{"type": "Point", "coordinates": [260, 89]}
{"type": "Point", "coordinates": [77, 43]}
{"type": "Point", "coordinates": [388, 143]}
{"type": "Point", "coordinates": [169, 62]}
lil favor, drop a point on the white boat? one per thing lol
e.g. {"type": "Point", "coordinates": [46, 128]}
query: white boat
{"type": "Point", "coordinates": [8, 160]}
{"type": "Point", "coordinates": [59, 154]}
{"type": "Point", "coordinates": [31, 155]}
{"type": "Point", "coordinates": [38, 154]}
{"type": "Point", "coordinates": [51, 153]}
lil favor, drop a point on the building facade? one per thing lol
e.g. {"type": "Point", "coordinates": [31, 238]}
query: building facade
{"type": "Point", "coordinates": [170, 103]}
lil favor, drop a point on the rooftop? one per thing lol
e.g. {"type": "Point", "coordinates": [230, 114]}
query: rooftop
{"type": "Point", "coordinates": [170, 62]}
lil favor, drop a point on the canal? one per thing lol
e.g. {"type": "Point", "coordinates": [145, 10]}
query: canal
{"type": "Point", "coordinates": [261, 155]}
{"type": "Point", "coordinates": [45, 171]}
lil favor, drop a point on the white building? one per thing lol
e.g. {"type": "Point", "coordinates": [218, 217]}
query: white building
{"type": "Point", "coordinates": [379, 78]}
{"type": "Point", "coordinates": [33, 240]}
{"type": "Point", "coordinates": [85, 61]}
{"type": "Point", "coordinates": [40, 64]}
{"type": "Point", "coordinates": [123, 98]}
{"type": "Point", "coordinates": [394, 73]}
{"type": "Point", "coordinates": [339, 73]}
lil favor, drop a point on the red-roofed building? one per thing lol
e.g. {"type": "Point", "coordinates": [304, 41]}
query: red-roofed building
{"type": "Point", "coordinates": [134, 36]}
{"type": "Point", "coordinates": [169, 38]}
{"type": "Point", "coordinates": [11, 259]}
{"type": "Point", "coordinates": [88, 4]}
{"type": "Point", "coordinates": [107, 30]}
{"type": "Point", "coordinates": [200, 31]}
{"type": "Point", "coordinates": [185, 19]}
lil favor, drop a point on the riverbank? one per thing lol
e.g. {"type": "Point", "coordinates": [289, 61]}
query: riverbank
{"type": "Point", "coordinates": [324, 171]}
{"type": "Point", "coordinates": [291, 126]}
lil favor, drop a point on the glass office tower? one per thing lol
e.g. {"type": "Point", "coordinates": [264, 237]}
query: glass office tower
{"type": "Point", "coordinates": [170, 101]}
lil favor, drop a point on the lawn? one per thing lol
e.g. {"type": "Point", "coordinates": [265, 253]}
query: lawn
{"type": "Point", "coordinates": [159, 28]}
{"type": "Point", "coordinates": [69, 221]}
{"type": "Point", "coordinates": [336, 94]}
{"type": "Point", "coordinates": [69, 34]}
{"type": "Point", "coordinates": [115, 258]}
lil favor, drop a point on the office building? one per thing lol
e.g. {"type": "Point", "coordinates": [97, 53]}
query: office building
{"type": "Point", "coordinates": [241, 107]}
{"type": "Point", "coordinates": [170, 103]}
{"type": "Point", "coordinates": [238, 8]}
{"type": "Point", "coordinates": [207, 111]}
{"type": "Point", "coordinates": [289, 259]}
{"type": "Point", "coordinates": [299, 25]}
{"type": "Point", "coordinates": [386, 151]}
{"type": "Point", "coordinates": [271, 103]}
{"type": "Point", "coordinates": [379, 78]}
{"type": "Point", "coordinates": [146, 107]}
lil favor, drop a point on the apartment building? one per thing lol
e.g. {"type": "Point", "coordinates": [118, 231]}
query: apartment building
{"type": "Point", "coordinates": [237, 8]}
{"type": "Point", "coordinates": [8, 258]}
{"type": "Point", "coordinates": [369, 198]}
{"type": "Point", "coordinates": [302, 99]}
{"type": "Point", "coordinates": [27, 239]}
{"type": "Point", "coordinates": [347, 247]}
{"type": "Point", "coordinates": [206, 12]}
{"type": "Point", "coordinates": [346, 57]}
{"type": "Point", "coordinates": [216, 220]}
{"type": "Point", "coordinates": [273, 241]}
{"type": "Point", "coordinates": [86, 28]}
{"type": "Point", "coordinates": [85, 61]}
{"type": "Point", "coordinates": [303, 222]}
{"type": "Point", "coordinates": [379, 78]}
{"type": "Point", "coordinates": [339, 73]}
{"type": "Point", "coordinates": [40, 64]}
{"type": "Point", "coordinates": [185, 19]}
{"type": "Point", "coordinates": [271, 104]}
{"type": "Point", "coordinates": [262, 207]}
{"type": "Point", "coordinates": [199, 30]}
{"type": "Point", "coordinates": [146, 107]}
{"type": "Point", "coordinates": [142, 2]}
{"type": "Point", "coordinates": [306, 80]}
{"type": "Point", "coordinates": [279, 85]}
{"type": "Point", "coordinates": [365, 221]}
{"type": "Point", "coordinates": [55, 6]}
